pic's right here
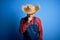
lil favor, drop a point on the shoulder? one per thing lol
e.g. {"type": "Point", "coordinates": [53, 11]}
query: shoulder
{"type": "Point", "coordinates": [38, 19]}
{"type": "Point", "coordinates": [24, 19]}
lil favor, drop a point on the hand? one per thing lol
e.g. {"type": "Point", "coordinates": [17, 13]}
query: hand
{"type": "Point", "coordinates": [29, 19]}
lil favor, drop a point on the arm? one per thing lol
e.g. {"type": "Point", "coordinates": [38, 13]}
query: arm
{"type": "Point", "coordinates": [40, 31]}
{"type": "Point", "coordinates": [39, 28]}
{"type": "Point", "coordinates": [23, 26]}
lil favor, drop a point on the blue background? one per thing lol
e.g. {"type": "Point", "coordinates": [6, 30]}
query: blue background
{"type": "Point", "coordinates": [11, 13]}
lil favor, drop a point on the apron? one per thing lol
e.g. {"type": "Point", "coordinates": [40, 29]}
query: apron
{"type": "Point", "coordinates": [32, 32]}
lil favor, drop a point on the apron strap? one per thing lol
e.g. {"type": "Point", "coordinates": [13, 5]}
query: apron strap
{"type": "Point", "coordinates": [34, 19]}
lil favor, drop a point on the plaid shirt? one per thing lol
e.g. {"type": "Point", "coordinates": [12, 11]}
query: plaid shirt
{"type": "Point", "coordinates": [24, 24]}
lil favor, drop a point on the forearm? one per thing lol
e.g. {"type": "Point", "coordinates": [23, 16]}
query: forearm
{"type": "Point", "coordinates": [40, 35]}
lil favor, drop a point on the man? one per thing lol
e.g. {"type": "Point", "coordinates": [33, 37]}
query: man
{"type": "Point", "coordinates": [30, 26]}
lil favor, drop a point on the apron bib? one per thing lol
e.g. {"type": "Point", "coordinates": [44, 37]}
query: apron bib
{"type": "Point", "coordinates": [32, 32]}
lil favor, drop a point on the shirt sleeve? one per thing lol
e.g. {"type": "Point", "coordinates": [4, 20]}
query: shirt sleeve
{"type": "Point", "coordinates": [23, 26]}
{"type": "Point", "coordinates": [39, 28]}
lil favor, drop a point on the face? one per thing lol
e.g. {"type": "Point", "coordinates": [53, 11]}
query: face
{"type": "Point", "coordinates": [30, 15]}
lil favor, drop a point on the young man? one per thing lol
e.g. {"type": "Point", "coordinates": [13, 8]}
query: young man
{"type": "Point", "coordinates": [30, 26]}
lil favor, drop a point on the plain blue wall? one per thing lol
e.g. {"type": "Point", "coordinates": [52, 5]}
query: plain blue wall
{"type": "Point", "coordinates": [11, 13]}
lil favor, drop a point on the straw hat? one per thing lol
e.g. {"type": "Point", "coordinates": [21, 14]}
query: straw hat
{"type": "Point", "coordinates": [30, 9]}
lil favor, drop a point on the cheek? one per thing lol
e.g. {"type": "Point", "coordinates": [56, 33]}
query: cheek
{"type": "Point", "coordinates": [32, 15]}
